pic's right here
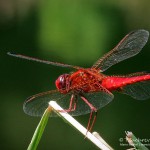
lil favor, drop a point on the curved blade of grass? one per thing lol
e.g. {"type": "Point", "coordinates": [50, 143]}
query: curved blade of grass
{"type": "Point", "coordinates": [98, 141]}
{"type": "Point", "coordinates": [39, 130]}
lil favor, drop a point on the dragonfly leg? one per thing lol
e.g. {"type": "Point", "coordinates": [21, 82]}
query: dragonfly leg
{"type": "Point", "coordinates": [94, 119]}
{"type": "Point", "coordinates": [72, 105]}
{"type": "Point", "coordinates": [93, 110]}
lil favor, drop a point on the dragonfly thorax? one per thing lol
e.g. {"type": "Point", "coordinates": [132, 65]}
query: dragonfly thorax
{"type": "Point", "coordinates": [62, 83]}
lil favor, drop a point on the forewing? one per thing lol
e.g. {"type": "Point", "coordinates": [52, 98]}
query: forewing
{"type": "Point", "coordinates": [128, 47]}
{"type": "Point", "coordinates": [43, 61]}
{"type": "Point", "coordinates": [37, 104]}
{"type": "Point", "coordinates": [139, 90]}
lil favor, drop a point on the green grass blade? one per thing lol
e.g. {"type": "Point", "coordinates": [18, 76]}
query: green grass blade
{"type": "Point", "coordinates": [132, 140]}
{"type": "Point", "coordinates": [138, 144]}
{"type": "Point", "coordinates": [39, 130]}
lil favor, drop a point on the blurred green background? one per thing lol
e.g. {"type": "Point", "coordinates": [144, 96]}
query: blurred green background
{"type": "Point", "coordinates": [74, 32]}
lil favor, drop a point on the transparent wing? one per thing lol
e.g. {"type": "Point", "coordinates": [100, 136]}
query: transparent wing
{"type": "Point", "coordinates": [139, 90]}
{"type": "Point", "coordinates": [128, 47]}
{"type": "Point", "coordinates": [36, 104]}
{"type": "Point", "coordinates": [43, 61]}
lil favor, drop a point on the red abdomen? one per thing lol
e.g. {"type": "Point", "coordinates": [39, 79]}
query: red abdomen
{"type": "Point", "coordinates": [116, 82]}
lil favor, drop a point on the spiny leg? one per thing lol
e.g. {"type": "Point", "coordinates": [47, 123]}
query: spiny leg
{"type": "Point", "coordinates": [72, 105]}
{"type": "Point", "coordinates": [93, 109]}
{"type": "Point", "coordinates": [93, 122]}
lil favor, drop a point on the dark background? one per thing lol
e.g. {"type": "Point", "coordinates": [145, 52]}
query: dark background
{"type": "Point", "coordinates": [73, 32]}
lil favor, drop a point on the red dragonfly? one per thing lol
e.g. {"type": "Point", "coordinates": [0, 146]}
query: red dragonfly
{"type": "Point", "coordinates": [87, 89]}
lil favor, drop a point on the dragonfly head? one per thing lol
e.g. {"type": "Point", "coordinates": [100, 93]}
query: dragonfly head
{"type": "Point", "coordinates": [62, 83]}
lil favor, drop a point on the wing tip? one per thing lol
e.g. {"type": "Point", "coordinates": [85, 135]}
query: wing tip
{"type": "Point", "coordinates": [25, 108]}
{"type": "Point", "coordinates": [145, 32]}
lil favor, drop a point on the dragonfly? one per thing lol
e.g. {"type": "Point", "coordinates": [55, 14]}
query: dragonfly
{"type": "Point", "coordinates": [86, 90]}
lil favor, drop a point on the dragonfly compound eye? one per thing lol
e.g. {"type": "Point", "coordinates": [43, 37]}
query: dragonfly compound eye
{"type": "Point", "coordinates": [61, 82]}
